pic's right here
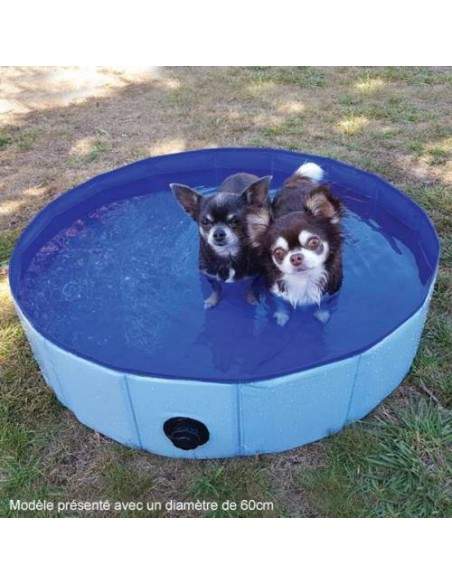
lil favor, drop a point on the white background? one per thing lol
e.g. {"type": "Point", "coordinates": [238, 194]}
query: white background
{"type": "Point", "coordinates": [225, 33]}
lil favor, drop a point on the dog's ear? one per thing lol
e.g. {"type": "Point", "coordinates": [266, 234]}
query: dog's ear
{"type": "Point", "coordinates": [188, 198]}
{"type": "Point", "coordinates": [258, 221]}
{"type": "Point", "coordinates": [257, 192]}
{"type": "Point", "coordinates": [321, 203]}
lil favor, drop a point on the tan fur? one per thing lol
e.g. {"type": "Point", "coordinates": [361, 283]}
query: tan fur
{"type": "Point", "coordinates": [258, 221]}
{"type": "Point", "coordinates": [318, 204]}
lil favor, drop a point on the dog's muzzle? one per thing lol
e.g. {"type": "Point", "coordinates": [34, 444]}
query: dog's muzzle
{"type": "Point", "coordinates": [219, 236]}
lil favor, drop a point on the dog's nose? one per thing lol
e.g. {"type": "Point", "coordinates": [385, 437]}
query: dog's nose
{"type": "Point", "coordinates": [296, 259]}
{"type": "Point", "coordinates": [219, 235]}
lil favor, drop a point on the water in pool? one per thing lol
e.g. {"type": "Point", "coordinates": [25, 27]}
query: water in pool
{"type": "Point", "coordinates": [120, 286]}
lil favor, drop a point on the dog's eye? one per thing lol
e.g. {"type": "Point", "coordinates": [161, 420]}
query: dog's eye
{"type": "Point", "coordinates": [233, 221]}
{"type": "Point", "coordinates": [279, 254]}
{"type": "Point", "coordinates": [313, 243]}
{"type": "Point", "coordinates": [205, 221]}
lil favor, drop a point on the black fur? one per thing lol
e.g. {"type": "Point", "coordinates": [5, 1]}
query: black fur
{"type": "Point", "coordinates": [226, 210]}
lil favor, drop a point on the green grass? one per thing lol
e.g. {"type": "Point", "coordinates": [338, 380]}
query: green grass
{"type": "Point", "coordinates": [436, 200]}
{"type": "Point", "coordinates": [7, 242]}
{"type": "Point", "coordinates": [397, 465]}
{"type": "Point", "coordinates": [416, 76]}
{"type": "Point", "coordinates": [305, 77]}
{"type": "Point", "coordinates": [292, 126]}
{"type": "Point", "coordinates": [26, 140]}
{"type": "Point", "coordinates": [439, 155]}
{"type": "Point", "coordinates": [28, 415]}
{"type": "Point", "coordinates": [121, 479]}
{"type": "Point", "coordinates": [393, 110]}
{"type": "Point", "coordinates": [98, 148]}
{"type": "Point", "coordinates": [5, 139]}
{"type": "Point", "coordinates": [23, 140]}
{"type": "Point", "coordinates": [242, 483]}
{"type": "Point", "coordinates": [431, 367]}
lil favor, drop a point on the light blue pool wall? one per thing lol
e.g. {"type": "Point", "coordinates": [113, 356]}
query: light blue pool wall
{"type": "Point", "coordinates": [243, 419]}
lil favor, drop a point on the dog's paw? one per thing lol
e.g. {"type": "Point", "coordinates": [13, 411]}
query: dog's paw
{"type": "Point", "coordinates": [252, 298]}
{"type": "Point", "coordinates": [212, 301]}
{"type": "Point", "coordinates": [281, 318]}
{"type": "Point", "coordinates": [322, 315]}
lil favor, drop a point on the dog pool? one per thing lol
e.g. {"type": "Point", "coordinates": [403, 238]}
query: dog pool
{"type": "Point", "coordinates": [106, 283]}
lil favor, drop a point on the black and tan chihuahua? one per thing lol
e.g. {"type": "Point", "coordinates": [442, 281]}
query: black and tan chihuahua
{"type": "Point", "coordinates": [225, 221]}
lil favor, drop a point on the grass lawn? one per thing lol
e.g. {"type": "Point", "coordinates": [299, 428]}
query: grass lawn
{"type": "Point", "coordinates": [59, 128]}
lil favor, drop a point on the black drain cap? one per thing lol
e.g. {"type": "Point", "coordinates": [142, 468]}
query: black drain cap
{"type": "Point", "coordinates": [186, 433]}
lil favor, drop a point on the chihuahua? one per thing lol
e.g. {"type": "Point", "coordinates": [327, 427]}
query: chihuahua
{"type": "Point", "coordinates": [301, 249]}
{"type": "Point", "coordinates": [225, 220]}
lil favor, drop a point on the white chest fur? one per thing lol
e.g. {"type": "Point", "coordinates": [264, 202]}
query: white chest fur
{"type": "Point", "coordinates": [303, 287]}
{"type": "Point", "coordinates": [229, 280]}
{"type": "Point", "coordinates": [231, 276]}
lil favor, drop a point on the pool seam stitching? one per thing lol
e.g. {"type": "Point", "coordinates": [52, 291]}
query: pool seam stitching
{"type": "Point", "coordinates": [67, 403]}
{"type": "Point", "coordinates": [132, 410]}
{"type": "Point", "coordinates": [238, 406]}
{"type": "Point", "coordinates": [352, 392]}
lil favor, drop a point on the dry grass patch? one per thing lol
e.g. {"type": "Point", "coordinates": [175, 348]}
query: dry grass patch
{"type": "Point", "coordinates": [352, 125]}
